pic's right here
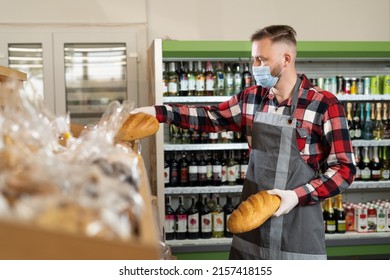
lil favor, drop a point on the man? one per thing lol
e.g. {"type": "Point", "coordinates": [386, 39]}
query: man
{"type": "Point", "coordinates": [300, 147]}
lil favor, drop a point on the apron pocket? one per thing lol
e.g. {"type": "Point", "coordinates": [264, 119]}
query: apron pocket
{"type": "Point", "coordinates": [302, 139]}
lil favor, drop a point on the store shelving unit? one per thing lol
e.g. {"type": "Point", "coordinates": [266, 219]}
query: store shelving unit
{"type": "Point", "coordinates": [316, 59]}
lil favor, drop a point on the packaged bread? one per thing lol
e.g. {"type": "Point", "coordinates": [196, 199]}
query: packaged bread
{"type": "Point", "coordinates": [137, 126]}
{"type": "Point", "coordinates": [253, 212]}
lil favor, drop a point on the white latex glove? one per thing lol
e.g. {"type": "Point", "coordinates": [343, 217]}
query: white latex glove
{"type": "Point", "coordinates": [147, 110]}
{"type": "Point", "coordinates": [288, 200]}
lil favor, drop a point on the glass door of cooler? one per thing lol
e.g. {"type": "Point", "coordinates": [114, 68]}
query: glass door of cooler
{"type": "Point", "coordinates": [31, 53]}
{"type": "Point", "coordinates": [91, 71]}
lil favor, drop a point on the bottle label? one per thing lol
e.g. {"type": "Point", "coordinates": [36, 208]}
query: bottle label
{"type": "Point", "coordinates": [366, 173]}
{"type": "Point", "coordinates": [200, 84]}
{"type": "Point", "coordinates": [193, 173]}
{"type": "Point", "coordinates": [184, 175]}
{"type": "Point", "coordinates": [220, 80]}
{"type": "Point", "coordinates": [181, 223]}
{"type": "Point", "coordinates": [218, 222]}
{"type": "Point", "coordinates": [172, 87]}
{"type": "Point", "coordinates": [206, 223]}
{"type": "Point", "coordinates": [217, 172]}
{"type": "Point", "coordinates": [330, 226]}
{"type": "Point", "coordinates": [183, 83]}
{"type": "Point", "coordinates": [358, 133]}
{"type": "Point", "coordinates": [231, 173]}
{"type": "Point", "coordinates": [166, 175]}
{"type": "Point", "coordinates": [191, 82]}
{"type": "Point", "coordinates": [223, 174]}
{"type": "Point", "coordinates": [385, 174]}
{"type": "Point", "coordinates": [209, 173]}
{"type": "Point", "coordinates": [375, 174]}
{"type": "Point", "coordinates": [213, 136]}
{"type": "Point", "coordinates": [227, 219]}
{"type": "Point", "coordinates": [193, 223]}
{"type": "Point", "coordinates": [169, 224]}
{"type": "Point", "coordinates": [341, 226]}
{"type": "Point", "coordinates": [243, 170]}
{"type": "Point", "coordinates": [174, 176]}
{"type": "Point", "coordinates": [210, 83]}
{"type": "Point", "coordinates": [202, 169]}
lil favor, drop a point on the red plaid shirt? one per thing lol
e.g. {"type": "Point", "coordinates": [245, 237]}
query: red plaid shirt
{"type": "Point", "coordinates": [327, 146]}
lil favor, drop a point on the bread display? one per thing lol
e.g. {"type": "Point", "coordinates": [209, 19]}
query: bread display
{"type": "Point", "coordinates": [137, 126]}
{"type": "Point", "coordinates": [253, 212]}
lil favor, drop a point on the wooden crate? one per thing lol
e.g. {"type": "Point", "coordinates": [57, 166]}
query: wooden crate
{"type": "Point", "coordinates": [28, 242]}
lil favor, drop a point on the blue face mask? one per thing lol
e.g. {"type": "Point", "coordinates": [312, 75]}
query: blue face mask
{"type": "Point", "coordinates": [263, 77]}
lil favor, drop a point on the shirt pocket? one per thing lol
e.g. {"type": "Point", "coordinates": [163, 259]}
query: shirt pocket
{"type": "Point", "coordinates": [302, 138]}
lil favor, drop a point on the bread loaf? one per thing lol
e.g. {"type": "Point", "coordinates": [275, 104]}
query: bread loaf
{"type": "Point", "coordinates": [253, 212]}
{"type": "Point", "coordinates": [137, 126]}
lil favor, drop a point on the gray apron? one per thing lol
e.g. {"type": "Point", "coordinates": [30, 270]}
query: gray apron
{"type": "Point", "coordinates": [275, 162]}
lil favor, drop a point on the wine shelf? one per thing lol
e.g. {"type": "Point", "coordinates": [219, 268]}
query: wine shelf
{"type": "Point", "coordinates": [208, 147]}
{"type": "Point", "coordinates": [370, 143]}
{"type": "Point", "coordinates": [195, 99]}
{"type": "Point", "coordinates": [206, 189]}
{"type": "Point", "coordinates": [357, 185]}
{"type": "Point", "coordinates": [336, 239]}
{"type": "Point", "coordinates": [217, 99]}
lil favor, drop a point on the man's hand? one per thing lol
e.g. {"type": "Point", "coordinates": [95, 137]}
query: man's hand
{"type": "Point", "coordinates": [288, 200]}
{"type": "Point", "coordinates": [150, 110]}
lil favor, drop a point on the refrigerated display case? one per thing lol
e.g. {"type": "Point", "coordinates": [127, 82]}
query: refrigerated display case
{"type": "Point", "coordinates": [315, 59]}
{"type": "Point", "coordinates": [76, 72]}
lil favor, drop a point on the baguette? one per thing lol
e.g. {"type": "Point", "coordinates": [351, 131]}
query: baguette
{"type": "Point", "coordinates": [137, 126]}
{"type": "Point", "coordinates": [253, 212]}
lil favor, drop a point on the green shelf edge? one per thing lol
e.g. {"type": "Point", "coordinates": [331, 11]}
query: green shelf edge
{"type": "Point", "coordinates": [306, 49]}
{"type": "Point", "coordinates": [337, 251]}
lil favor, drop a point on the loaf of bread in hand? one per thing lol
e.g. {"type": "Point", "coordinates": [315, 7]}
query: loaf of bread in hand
{"type": "Point", "coordinates": [253, 212]}
{"type": "Point", "coordinates": [137, 126]}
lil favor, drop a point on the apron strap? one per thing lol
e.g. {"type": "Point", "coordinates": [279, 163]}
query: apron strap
{"type": "Point", "coordinates": [294, 102]}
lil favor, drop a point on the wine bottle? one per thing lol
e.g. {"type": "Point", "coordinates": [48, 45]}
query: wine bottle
{"type": "Point", "coordinates": [243, 167]}
{"type": "Point", "coordinates": [228, 209]}
{"type": "Point", "coordinates": [229, 80]}
{"type": "Point", "coordinates": [205, 221]}
{"type": "Point", "coordinates": [167, 171]}
{"type": "Point", "coordinates": [375, 165]}
{"type": "Point", "coordinates": [231, 170]}
{"type": "Point", "coordinates": [181, 220]}
{"type": "Point", "coordinates": [169, 225]}
{"type": "Point", "coordinates": [165, 79]}
{"type": "Point", "coordinates": [351, 124]}
{"type": "Point", "coordinates": [174, 169]}
{"type": "Point", "coordinates": [217, 220]}
{"type": "Point", "coordinates": [385, 166]}
{"type": "Point", "coordinates": [193, 171]}
{"type": "Point", "coordinates": [202, 171]}
{"type": "Point", "coordinates": [209, 78]}
{"type": "Point", "coordinates": [329, 217]}
{"type": "Point", "coordinates": [356, 121]}
{"type": "Point", "coordinates": [246, 77]}
{"type": "Point", "coordinates": [193, 220]}
{"type": "Point", "coordinates": [200, 80]}
{"type": "Point", "coordinates": [191, 75]}
{"type": "Point", "coordinates": [220, 80]}
{"type": "Point", "coordinates": [365, 166]}
{"type": "Point", "coordinates": [379, 129]}
{"type": "Point", "coordinates": [237, 79]}
{"type": "Point", "coordinates": [386, 122]}
{"type": "Point", "coordinates": [217, 170]}
{"type": "Point", "coordinates": [339, 213]}
{"type": "Point", "coordinates": [183, 170]}
{"type": "Point", "coordinates": [224, 169]}
{"type": "Point", "coordinates": [368, 125]}
{"type": "Point", "coordinates": [183, 80]}
{"type": "Point", "coordinates": [358, 175]}
{"type": "Point", "coordinates": [173, 80]}
{"type": "Point", "coordinates": [209, 168]}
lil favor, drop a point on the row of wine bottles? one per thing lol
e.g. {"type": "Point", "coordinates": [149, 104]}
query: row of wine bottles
{"type": "Point", "coordinates": [203, 80]}
{"type": "Point", "coordinates": [204, 218]}
{"type": "Point", "coordinates": [372, 163]}
{"type": "Point", "coordinates": [205, 168]}
{"type": "Point", "coordinates": [179, 135]}
{"type": "Point", "coordinates": [368, 120]}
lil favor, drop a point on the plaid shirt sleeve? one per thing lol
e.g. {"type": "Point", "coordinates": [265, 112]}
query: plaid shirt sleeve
{"type": "Point", "coordinates": [338, 154]}
{"type": "Point", "coordinates": [225, 115]}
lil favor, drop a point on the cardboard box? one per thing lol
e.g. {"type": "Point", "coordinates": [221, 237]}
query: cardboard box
{"type": "Point", "coordinates": [19, 241]}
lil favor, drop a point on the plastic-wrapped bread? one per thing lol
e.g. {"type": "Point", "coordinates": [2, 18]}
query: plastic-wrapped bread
{"type": "Point", "coordinates": [253, 212]}
{"type": "Point", "coordinates": [137, 126]}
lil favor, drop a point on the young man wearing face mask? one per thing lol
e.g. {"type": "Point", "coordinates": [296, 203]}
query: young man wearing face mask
{"type": "Point", "coordinates": [300, 147]}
